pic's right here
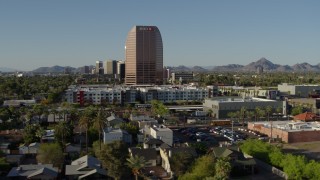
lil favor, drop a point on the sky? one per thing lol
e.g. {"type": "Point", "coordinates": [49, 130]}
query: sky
{"type": "Point", "coordinates": [38, 33]}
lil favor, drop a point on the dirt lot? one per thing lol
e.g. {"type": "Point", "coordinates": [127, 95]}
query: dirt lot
{"type": "Point", "coordinates": [310, 149]}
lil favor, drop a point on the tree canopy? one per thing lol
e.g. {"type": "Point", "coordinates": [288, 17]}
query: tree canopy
{"type": "Point", "coordinates": [113, 157]}
{"type": "Point", "coordinates": [50, 153]}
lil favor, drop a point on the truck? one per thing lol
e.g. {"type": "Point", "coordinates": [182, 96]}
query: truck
{"type": "Point", "coordinates": [220, 122]}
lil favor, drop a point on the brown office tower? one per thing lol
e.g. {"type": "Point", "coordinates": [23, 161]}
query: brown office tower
{"type": "Point", "coordinates": [144, 56]}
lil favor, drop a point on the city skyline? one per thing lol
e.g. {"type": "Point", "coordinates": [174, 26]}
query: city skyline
{"type": "Point", "coordinates": [77, 33]}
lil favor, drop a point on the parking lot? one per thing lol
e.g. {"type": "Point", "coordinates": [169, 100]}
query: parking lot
{"type": "Point", "coordinates": [215, 135]}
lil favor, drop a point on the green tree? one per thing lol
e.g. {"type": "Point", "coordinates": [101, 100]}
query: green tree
{"type": "Point", "coordinates": [180, 162]}
{"type": "Point", "coordinates": [84, 122]}
{"type": "Point", "coordinates": [268, 111]}
{"type": "Point", "coordinates": [99, 122]}
{"type": "Point", "coordinates": [158, 108]}
{"type": "Point", "coordinates": [294, 166]}
{"type": "Point", "coordinates": [222, 168]}
{"type": "Point", "coordinates": [50, 153]}
{"type": "Point", "coordinates": [32, 133]}
{"type": "Point", "coordinates": [132, 127]}
{"type": "Point", "coordinates": [63, 132]}
{"type": "Point", "coordinates": [113, 157]}
{"type": "Point", "coordinates": [136, 163]}
{"type": "Point", "coordinates": [311, 170]}
{"type": "Point", "coordinates": [296, 110]}
{"type": "Point", "coordinates": [203, 167]}
{"type": "Point", "coordinates": [276, 157]}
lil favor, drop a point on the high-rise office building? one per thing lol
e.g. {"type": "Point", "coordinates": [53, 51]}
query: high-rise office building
{"type": "Point", "coordinates": [144, 56]}
{"type": "Point", "coordinates": [99, 67]}
{"type": "Point", "coordinates": [121, 69]}
{"type": "Point", "coordinates": [110, 67]}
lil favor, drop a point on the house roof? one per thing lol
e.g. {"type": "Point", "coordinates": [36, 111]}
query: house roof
{"type": "Point", "coordinates": [46, 171]}
{"type": "Point", "coordinates": [189, 150]}
{"type": "Point", "coordinates": [35, 144]}
{"type": "Point", "coordinates": [221, 152]}
{"type": "Point", "coordinates": [246, 162]}
{"type": "Point", "coordinates": [307, 116]}
{"type": "Point", "coordinates": [87, 161]}
{"type": "Point", "coordinates": [33, 170]}
{"type": "Point", "coordinates": [164, 146]}
{"type": "Point", "coordinates": [113, 117]}
{"type": "Point", "coordinates": [85, 166]}
{"type": "Point", "coordinates": [148, 154]}
{"type": "Point", "coordinates": [94, 171]}
{"type": "Point", "coordinates": [153, 141]}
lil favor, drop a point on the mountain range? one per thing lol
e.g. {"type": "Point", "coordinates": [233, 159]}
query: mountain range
{"type": "Point", "coordinates": [267, 66]}
{"type": "Point", "coordinates": [5, 69]}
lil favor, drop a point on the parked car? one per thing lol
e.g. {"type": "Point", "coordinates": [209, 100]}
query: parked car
{"type": "Point", "coordinates": [200, 133]}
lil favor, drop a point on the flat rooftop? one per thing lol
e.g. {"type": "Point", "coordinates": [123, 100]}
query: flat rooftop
{"type": "Point", "coordinates": [239, 99]}
{"type": "Point", "coordinates": [290, 126]}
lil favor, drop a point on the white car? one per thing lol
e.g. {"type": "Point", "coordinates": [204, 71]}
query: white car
{"type": "Point", "coordinates": [200, 133]}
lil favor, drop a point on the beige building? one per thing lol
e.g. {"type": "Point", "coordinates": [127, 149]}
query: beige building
{"type": "Point", "coordinates": [110, 67]}
{"type": "Point", "coordinates": [144, 56]}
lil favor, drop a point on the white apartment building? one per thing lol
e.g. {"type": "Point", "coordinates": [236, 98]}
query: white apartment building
{"type": "Point", "coordinates": [170, 94]}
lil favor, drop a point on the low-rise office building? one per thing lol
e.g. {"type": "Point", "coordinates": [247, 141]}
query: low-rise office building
{"type": "Point", "coordinates": [221, 106]}
{"type": "Point", "coordinates": [299, 90]}
{"type": "Point", "coordinates": [288, 131]}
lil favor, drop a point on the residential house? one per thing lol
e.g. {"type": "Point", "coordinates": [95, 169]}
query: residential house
{"type": "Point", "coordinates": [238, 161]}
{"type": "Point", "coordinates": [86, 167]}
{"type": "Point", "coordinates": [15, 159]}
{"type": "Point", "coordinates": [39, 171]}
{"type": "Point", "coordinates": [111, 135]}
{"type": "Point", "coordinates": [167, 153]}
{"type": "Point", "coordinates": [163, 133]}
{"type": "Point", "coordinates": [71, 148]}
{"type": "Point", "coordinates": [149, 155]}
{"type": "Point", "coordinates": [23, 149]}
{"type": "Point", "coordinates": [114, 121]}
{"type": "Point", "coordinates": [5, 147]}
{"type": "Point", "coordinates": [152, 143]}
{"type": "Point", "coordinates": [34, 148]}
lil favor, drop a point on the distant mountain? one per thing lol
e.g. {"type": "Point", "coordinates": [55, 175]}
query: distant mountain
{"type": "Point", "coordinates": [5, 69]}
{"type": "Point", "coordinates": [198, 69]}
{"type": "Point", "coordinates": [229, 67]}
{"type": "Point", "coordinates": [264, 63]}
{"type": "Point", "coordinates": [53, 69]}
{"type": "Point", "coordinates": [305, 67]}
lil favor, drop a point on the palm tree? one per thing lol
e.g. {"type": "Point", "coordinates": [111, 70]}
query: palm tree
{"type": "Point", "coordinates": [136, 163]}
{"type": "Point", "coordinates": [99, 123]}
{"type": "Point", "coordinates": [268, 111]}
{"type": "Point", "coordinates": [54, 112]}
{"type": "Point", "coordinates": [242, 114]}
{"type": "Point", "coordinates": [84, 122]}
{"type": "Point", "coordinates": [257, 111]}
{"type": "Point", "coordinates": [250, 114]}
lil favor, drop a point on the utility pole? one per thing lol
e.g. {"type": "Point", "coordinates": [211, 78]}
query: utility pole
{"type": "Point", "coordinates": [232, 128]}
{"type": "Point", "coordinates": [270, 140]}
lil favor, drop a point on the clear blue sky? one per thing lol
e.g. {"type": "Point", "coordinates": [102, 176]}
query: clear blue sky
{"type": "Point", "coordinates": [35, 33]}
